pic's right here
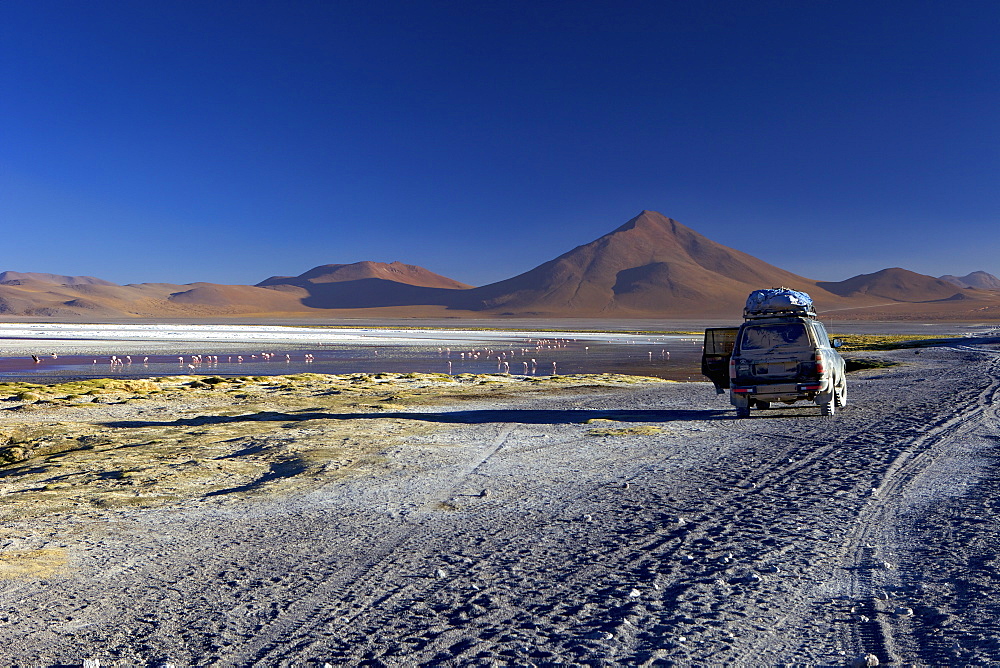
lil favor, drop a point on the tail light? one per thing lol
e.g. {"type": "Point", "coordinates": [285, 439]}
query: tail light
{"type": "Point", "coordinates": [819, 363]}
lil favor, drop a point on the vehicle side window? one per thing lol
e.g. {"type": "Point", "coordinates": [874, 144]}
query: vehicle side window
{"type": "Point", "coordinates": [764, 337]}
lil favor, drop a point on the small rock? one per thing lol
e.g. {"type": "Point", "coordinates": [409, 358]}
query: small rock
{"type": "Point", "coordinates": [440, 573]}
{"type": "Point", "coordinates": [588, 518]}
{"type": "Point", "coordinates": [635, 593]}
{"type": "Point", "coordinates": [485, 493]}
{"type": "Point", "coordinates": [626, 485]}
{"type": "Point", "coordinates": [886, 565]}
{"type": "Point", "coordinates": [773, 569]}
{"type": "Point", "coordinates": [904, 611]}
{"type": "Point", "coordinates": [91, 663]}
{"type": "Point", "coordinates": [864, 661]}
{"type": "Point", "coordinates": [753, 577]}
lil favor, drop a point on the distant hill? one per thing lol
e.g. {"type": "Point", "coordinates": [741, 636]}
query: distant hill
{"type": "Point", "coordinates": [20, 278]}
{"type": "Point", "coordinates": [650, 265]}
{"type": "Point", "coordinates": [977, 279]}
{"type": "Point", "coordinates": [396, 271]}
{"type": "Point", "coordinates": [896, 284]}
{"type": "Point", "coordinates": [369, 285]}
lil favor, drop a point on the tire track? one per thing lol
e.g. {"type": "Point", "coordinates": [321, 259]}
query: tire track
{"type": "Point", "coordinates": [856, 555]}
{"type": "Point", "coordinates": [336, 601]}
{"type": "Point", "coordinates": [880, 631]}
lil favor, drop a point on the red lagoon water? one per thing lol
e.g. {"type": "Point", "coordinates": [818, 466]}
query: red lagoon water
{"type": "Point", "coordinates": [676, 359]}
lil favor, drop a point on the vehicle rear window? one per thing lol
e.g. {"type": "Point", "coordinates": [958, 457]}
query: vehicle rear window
{"type": "Point", "coordinates": [764, 337]}
{"type": "Point", "coordinates": [720, 341]}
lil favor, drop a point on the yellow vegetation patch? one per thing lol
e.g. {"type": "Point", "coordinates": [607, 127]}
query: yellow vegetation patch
{"type": "Point", "coordinates": [31, 563]}
{"type": "Point", "coordinates": [853, 342]}
{"type": "Point", "coordinates": [189, 437]}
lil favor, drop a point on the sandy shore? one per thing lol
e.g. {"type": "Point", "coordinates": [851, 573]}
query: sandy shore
{"type": "Point", "coordinates": [427, 520]}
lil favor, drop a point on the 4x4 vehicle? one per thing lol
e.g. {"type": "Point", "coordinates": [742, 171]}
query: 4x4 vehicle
{"type": "Point", "coordinates": [780, 354]}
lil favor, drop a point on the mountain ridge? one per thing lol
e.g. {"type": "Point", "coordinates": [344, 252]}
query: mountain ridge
{"type": "Point", "coordinates": [651, 266]}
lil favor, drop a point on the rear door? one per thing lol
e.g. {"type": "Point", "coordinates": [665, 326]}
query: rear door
{"type": "Point", "coordinates": [719, 343]}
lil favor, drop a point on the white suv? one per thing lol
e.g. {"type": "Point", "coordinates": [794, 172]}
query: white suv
{"type": "Point", "coordinates": [786, 359]}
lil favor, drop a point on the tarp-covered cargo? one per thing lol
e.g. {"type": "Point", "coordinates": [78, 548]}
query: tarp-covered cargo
{"type": "Point", "coordinates": [778, 301]}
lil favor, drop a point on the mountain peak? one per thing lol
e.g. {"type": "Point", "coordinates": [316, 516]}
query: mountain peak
{"type": "Point", "coordinates": [650, 264]}
{"type": "Point", "coordinates": [647, 220]}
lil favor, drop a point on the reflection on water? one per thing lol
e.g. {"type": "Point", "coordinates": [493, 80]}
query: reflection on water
{"type": "Point", "coordinates": [665, 357]}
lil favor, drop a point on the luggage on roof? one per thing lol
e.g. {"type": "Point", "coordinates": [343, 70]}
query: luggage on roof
{"type": "Point", "coordinates": [778, 301]}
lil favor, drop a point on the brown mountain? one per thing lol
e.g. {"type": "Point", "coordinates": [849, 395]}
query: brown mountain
{"type": "Point", "coordinates": [145, 300]}
{"type": "Point", "coordinates": [896, 284]}
{"type": "Point", "coordinates": [369, 285]}
{"type": "Point", "coordinates": [978, 279]}
{"type": "Point", "coordinates": [651, 265]}
{"type": "Point", "coordinates": [397, 272]}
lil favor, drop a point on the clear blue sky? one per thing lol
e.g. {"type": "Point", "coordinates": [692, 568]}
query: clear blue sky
{"type": "Point", "coordinates": [190, 140]}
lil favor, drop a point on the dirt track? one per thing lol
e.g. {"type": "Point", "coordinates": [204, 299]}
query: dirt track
{"type": "Point", "coordinates": [505, 530]}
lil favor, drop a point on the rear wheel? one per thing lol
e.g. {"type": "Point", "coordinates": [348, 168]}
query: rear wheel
{"type": "Point", "coordinates": [840, 394]}
{"type": "Point", "coordinates": [742, 412]}
{"type": "Point", "coordinates": [827, 409]}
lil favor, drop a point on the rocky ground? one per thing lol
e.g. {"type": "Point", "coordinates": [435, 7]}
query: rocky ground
{"type": "Point", "coordinates": [420, 520]}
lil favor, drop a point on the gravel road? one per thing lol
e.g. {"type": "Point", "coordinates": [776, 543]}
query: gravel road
{"type": "Point", "coordinates": [513, 533]}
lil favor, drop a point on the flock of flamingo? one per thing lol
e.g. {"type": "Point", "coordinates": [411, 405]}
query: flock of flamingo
{"type": "Point", "coordinates": [524, 357]}
{"type": "Point", "coordinates": [530, 365]}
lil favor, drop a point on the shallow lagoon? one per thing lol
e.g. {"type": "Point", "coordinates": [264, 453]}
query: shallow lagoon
{"type": "Point", "coordinates": [88, 351]}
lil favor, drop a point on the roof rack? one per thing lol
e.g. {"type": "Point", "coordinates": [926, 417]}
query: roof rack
{"type": "Point", "coordinates": [791, 311]}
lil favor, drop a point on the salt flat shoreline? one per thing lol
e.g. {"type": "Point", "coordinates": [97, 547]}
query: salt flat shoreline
{"type": "Point", "coordinates": [80, 338]}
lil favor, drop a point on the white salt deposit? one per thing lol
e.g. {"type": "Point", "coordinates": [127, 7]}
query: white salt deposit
{"type": "Point", "coordinates": [25, 336]}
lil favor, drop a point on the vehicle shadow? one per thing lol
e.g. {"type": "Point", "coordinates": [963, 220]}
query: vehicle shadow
{"type": "Point", "coordinates": [518, 416]}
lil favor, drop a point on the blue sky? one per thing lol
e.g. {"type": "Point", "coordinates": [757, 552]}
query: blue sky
{"type": "Point", "coordinates": [231, 141]}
